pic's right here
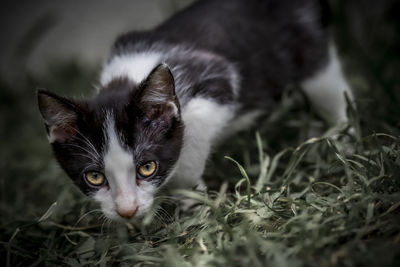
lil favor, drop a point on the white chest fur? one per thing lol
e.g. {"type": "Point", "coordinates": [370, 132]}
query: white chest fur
{"type": "Point", "coordinates": [204, 121]}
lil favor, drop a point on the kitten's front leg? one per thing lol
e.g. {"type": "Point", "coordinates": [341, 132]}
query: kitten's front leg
{"type": "Point", "coordinates": [188, 175]}
{"type": "Point", "coordinates": [204, 121]}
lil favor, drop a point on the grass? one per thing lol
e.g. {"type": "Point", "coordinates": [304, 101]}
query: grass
{"type": "Point", "coordinates": [277, 196]}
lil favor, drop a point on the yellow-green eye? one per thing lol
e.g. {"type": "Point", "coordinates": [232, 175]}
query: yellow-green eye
{"type": "Point", "coordinates": [147, 169]}
{"type": "Point", "coordinates": [95, 178]}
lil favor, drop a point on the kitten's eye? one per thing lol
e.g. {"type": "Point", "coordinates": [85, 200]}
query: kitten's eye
{"type": "Point", "coordinates": [147, 169]}
{"type": "Point", "coordinates": [95, 178]}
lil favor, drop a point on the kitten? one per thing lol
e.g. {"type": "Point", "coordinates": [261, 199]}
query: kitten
{"type": "Point", "coordinates": [167, 95]}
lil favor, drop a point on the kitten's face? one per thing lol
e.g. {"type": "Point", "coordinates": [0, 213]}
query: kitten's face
{"type": "Point", "coordinates": [121, 146]}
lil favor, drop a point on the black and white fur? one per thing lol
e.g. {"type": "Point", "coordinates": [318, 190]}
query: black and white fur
{"type": "Point", "coordinates": [171, 93]}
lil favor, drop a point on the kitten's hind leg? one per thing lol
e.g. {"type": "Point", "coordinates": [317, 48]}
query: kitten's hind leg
{"type": "Point", "coordinates": [326, 90]}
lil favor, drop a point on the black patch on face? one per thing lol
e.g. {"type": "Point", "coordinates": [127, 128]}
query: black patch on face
{"type": "Point", "coordinates": [84, 151]}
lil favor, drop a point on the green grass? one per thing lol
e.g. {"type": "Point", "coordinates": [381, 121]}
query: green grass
{"type": "Point", "coordinates": [276, 197]}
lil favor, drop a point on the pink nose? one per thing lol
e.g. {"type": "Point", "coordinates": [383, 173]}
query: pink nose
{"type": "Point", "coordinates": [127, 213]}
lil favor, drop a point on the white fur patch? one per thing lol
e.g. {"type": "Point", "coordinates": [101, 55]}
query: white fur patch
{"type": "Point", "coordinates": [134, 66]}
{"type": "Point", "coordinates": [326, 90]}
{"type": "Point", "coordinates": [204, 121]}
{"type": "Point", "coordinates": [123, 193]}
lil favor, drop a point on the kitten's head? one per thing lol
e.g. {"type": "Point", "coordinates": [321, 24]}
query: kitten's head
{"type": "Point", "coordinates": [120, 146]}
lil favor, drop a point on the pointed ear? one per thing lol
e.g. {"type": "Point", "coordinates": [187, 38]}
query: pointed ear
{"type": "Point", "coordinates": [158, 98]}
{"type": "Point", "coordinates": [60, 116]}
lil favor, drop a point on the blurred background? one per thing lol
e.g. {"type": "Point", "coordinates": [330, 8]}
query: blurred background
{"type": "Point", "coordinates": [43, 32]}
{"type": "Point", "coordinates": [61, 45]}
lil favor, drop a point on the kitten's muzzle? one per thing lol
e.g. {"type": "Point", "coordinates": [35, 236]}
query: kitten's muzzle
{"type": "Point", "coordinates": [127, 213]}
{"type": "Point", "coordinates": [125, 204]}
